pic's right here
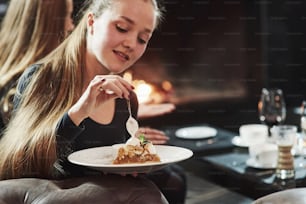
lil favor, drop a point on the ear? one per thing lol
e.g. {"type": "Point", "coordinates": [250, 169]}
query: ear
{"type": "Point", "coordinates": [90, 22]}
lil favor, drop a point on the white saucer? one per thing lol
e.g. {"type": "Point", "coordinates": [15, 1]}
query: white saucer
{"type": "Point", "coordinates": [238, 142]}
{"type": "Point", "coordinates": [196, 132]}
{"type": "Point", "coordinates": [252, 162]}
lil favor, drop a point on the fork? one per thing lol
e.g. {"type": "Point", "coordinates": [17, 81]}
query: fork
{"type": "Point", "coordinates": [131, 123]}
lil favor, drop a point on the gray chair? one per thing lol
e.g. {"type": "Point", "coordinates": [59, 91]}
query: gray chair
{"type": "Point", "coordinates": [290, 196]}
{"type": "Point", "coordinates": [91, 190]}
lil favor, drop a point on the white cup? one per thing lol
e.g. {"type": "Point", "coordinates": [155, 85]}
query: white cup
{"type": "Point", "coordinates": [264, 153]}
{"type": "Point", "coordinates": [268, 158]}
{"type": "Point", "coordinates": [253, 133]}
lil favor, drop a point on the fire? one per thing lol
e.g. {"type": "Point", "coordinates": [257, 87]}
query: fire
{"type": "Point", "coordinates": [146, 92]}
{"type": "Point", "coordinates": [143, 91]}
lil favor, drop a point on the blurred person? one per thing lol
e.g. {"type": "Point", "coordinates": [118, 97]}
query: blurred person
{"type": "Point", "coordinates": [29, 31]}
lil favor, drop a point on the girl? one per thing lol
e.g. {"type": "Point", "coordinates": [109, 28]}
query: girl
{"type": "Point", "coordinates": [74, 98]}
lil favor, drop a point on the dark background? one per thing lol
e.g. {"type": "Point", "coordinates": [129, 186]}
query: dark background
{"type": "Point", "coordinates": [228, 51]}
{"type": "Point", "coordinates": [232, 49]}
{"type": "Point", "coordinates": [219, 54]}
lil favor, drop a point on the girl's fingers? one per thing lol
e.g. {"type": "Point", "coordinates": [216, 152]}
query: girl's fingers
{"type": "Point", "coordinates": [155, 136]}
{"type": "Point", "coordinates": [159, 142]}
{"type": "Point", "coordinates": [151, 131]}
{"type": "Point", "coordinates": [113, 85]}
{"type": "Point", "coordinates": [122, 90]}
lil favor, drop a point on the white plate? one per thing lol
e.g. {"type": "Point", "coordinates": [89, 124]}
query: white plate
{"type": "Point", "coordinates": [100, 158]}
{"type": "Point", "coordinates": [238, 142]}
{"type": "Point", "coordinates": [252, 162]}
{"type": "Point", "coordinates": [196, 132]}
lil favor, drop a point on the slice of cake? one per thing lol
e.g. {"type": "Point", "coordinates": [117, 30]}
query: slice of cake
{"type": "Point", "coordinates": [137, 150]}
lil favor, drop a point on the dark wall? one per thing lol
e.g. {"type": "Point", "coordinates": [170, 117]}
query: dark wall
{"type": "Point", "coordinates": [205, 45]}
{"type": "Point", "coordinates": [253, 43]}
{"type": "Point", "coordinates": [285, 48]}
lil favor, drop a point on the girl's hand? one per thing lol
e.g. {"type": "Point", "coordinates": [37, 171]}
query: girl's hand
{"type": "Point", "coordinates": [155, 136]}
{"type": "Point", "coordinates": [101, 89]}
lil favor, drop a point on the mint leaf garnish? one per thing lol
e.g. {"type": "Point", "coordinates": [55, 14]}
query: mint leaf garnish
{"type": "Point", "coordinates": [143, 140]}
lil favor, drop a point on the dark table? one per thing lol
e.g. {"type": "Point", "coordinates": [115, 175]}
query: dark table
{"type": "Point", "coordinates": [230, 170]}
{"type": "Point", "coordinates": [218, 160]}
{"type": "Point", "coordinates": [214, 145]}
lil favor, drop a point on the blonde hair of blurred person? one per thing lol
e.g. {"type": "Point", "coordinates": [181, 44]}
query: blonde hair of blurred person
{"type": "Point", "coordinates": [29, 142]}
{"type": "Point", "coordinates": [29, 31]}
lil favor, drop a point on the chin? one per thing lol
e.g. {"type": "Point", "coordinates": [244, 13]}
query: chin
{"type": "Point", "coordinates": [118, 69]}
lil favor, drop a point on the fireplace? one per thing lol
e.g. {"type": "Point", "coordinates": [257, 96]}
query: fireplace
{"type": "Point", "coordinates": [204, 50]}
{"type": "Point", "coordinates": [228, 50]}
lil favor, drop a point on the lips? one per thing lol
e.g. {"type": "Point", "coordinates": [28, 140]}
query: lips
{"type": "Point", "coordinates": [122, 55]}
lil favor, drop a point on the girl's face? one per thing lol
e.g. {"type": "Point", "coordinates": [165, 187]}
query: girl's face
{"type": "Point", "coordinates": [119, 37]}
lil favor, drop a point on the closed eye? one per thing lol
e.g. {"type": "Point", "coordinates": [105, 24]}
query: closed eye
{"type": "Point", "coordinates": [120, 29]}
{"type": "Point", "coordinates": [142, 41]}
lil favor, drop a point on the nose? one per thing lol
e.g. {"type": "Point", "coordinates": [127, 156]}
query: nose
{"type": "Point", "coordinates": [130, 42]}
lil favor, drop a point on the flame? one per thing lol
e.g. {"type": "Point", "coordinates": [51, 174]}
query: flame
{"type": "Point", "coordinates": [143, 91]}
{"type": "Point", "coordinates": [167, 86]}
{"type": "Point", "coordinates": [128, 76]}
{"type": "Point", "coordinates": [146, 92]}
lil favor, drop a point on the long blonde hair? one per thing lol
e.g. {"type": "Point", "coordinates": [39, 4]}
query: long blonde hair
{"type": "Point", "coordinates": [29, 31]}
{"type": "Point", "coordinates": [28, 146]}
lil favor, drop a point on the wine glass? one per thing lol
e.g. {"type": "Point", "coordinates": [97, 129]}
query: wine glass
{"type": "Point", "coordinates": [272, 107]}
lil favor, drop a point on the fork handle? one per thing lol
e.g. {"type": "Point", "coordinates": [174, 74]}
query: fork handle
{"type": "Point", "coordinates": [129, 107]}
